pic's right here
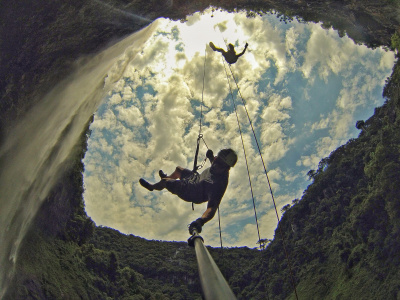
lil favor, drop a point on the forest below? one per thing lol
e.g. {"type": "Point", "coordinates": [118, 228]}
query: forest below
{"type": "Point", "coordinates": [342, 237]}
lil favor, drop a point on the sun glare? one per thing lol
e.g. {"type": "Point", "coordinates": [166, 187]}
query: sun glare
{"type": "Point", "coordinates": [203, 28]}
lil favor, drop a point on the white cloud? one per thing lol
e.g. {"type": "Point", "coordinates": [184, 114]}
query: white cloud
{"type": "Point", "coordinates": [115, 99]}
{"type": "Point", "coordinates": [106, 121]}
{"type": "Point", "coordinates": [292, 37]}
{"type": "Point", "coordinates": [326, 53]}
{"type": "Point", "coordinates": [130, 115]}
{"type": "Point", "coordinates": [150, 121]}
{"type": "Point", "coordinates": [309, 161]}
{"type": "Point", "coordinates": [272, 134]}
{"type": "Point", "coordinates": [323, 123]}
{"type": "Point", "coordinates": [386, 61]}
{"type": "Point", "coordinates": [271, 114]}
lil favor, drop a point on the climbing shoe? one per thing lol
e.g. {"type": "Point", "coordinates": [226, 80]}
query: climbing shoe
{"type": "Point", "coordinates": [145, 184]}
{"type": "Point", "coordinates": [162, 174]}
{"type": "Point", "coordinates": [212, 46]}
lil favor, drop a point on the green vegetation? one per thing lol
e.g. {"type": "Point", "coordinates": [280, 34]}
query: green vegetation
{"type": "Point", "coordinates": [65, 256]}
{"type": "Point", "coordinates": [396, 41]}
{"type": "Point", "coordinates": [394, 2]}
{"type": "Point", "coordinates": [342, 236]}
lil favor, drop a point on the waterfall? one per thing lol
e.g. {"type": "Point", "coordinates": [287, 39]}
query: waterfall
{"type": "Point", "coordinates": [34, 151]}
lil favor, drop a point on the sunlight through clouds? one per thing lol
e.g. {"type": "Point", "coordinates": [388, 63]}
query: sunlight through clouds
{"type": "Point", "coordinates": [304, 89]}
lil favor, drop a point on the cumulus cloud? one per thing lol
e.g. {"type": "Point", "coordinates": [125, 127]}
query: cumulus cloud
{"type": "Point", "coordinates": [130, 115]}
{"type": "Point", "coordinates": [150, 120]}
{"type": "Point", "coordinates": [323, 123]}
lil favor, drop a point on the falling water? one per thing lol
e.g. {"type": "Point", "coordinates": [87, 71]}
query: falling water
{"type": "Point", "coordinates": [33, 153]}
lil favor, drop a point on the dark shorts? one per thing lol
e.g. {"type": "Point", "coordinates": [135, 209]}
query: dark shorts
{"type": "Point", "coordinates": [187, 188]}
{"type": "Point", "coordinates": [187, 174]}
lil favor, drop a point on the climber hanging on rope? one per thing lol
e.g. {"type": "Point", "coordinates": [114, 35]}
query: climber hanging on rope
{"type": "Point", "coordinates": [230, 56]}
{"type": "Point", "coordinates": [209, 186]}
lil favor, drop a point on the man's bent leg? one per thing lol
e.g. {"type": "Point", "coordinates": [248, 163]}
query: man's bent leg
{"type": "Point", "coordinates": [157, 186]}
{"type": "Point", "coordinates": [146, 184]}
{"type": "Point", "coordinates": [176, 174]}
{"type": "Point", "coordinates": [160, 185]}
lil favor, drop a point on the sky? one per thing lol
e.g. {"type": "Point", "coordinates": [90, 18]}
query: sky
{"type": "Point", "coordinates": [304, 89]}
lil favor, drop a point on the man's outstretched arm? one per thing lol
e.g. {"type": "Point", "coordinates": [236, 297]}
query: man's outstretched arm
{"type": "Point", "coordinates": [209, 214]}
{"type": "Point", "coordinates": [245, 47]}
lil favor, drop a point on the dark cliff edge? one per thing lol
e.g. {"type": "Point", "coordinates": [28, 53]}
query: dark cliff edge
{"type": "Point", "coordinates": [41, 41]}
{"type": "Point", "coordinates": [342, 237]}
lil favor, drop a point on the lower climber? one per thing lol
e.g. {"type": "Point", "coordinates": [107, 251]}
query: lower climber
{"type": "Point", "coordinates": [209, 186]}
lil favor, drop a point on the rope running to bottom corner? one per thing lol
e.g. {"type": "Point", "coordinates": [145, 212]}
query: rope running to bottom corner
{"type": "Point", "coordinates": [269, 183]}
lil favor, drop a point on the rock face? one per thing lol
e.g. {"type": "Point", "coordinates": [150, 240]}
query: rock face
{"type": "Point", "coordinates": [40, 41]}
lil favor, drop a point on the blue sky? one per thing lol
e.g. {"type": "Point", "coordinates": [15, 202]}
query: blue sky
{"type": "Point", "coordinates": [304, 88]}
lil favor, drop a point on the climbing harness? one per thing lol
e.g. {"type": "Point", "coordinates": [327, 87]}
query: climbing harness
{"type": "Point", "coordinates": [195, 166]}
{"type": "Point", "coordinates": [201, 137]}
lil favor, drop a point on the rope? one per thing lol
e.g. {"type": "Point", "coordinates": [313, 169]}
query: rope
{"type": "Point", "coordinates": [265, 170]}
{"type": "Point", "coordinates": [220, 233]}
{"type": "Point", "coordinates": [269, 184]}
{"type": "Point", "coordinates": [244, 151]}
{"type": "Point", "coordinates": [202, 92]}
{"type": "Point", "coordinates": [258, 145]}
{"type": "Point", "coordinates": [220, 238]}
{"type": "Point", "coordinates": [200, 136]}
